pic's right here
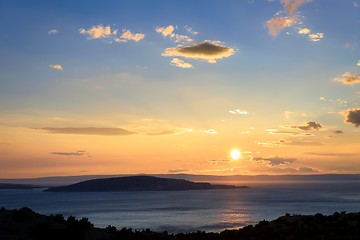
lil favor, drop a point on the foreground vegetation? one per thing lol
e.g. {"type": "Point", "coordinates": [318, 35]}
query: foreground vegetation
{"type": "Point", "coordinates": [25, 224]}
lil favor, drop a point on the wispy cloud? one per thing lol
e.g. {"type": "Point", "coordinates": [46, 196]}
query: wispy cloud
{"type": "Point", "coordinates": [165, 132]}
{"type": "Point", "coordinates": [348, 78]}
{"type": "Point", "coordinates": [276, 24]}
{"type": "Point", "coordinates": [352, 116]}
{"type": "Point", "coordinates": [274, 161]}
{"type": "Point", "coordinates": [282, 143]}
{"type": "Point", "coordinates": [108, 34]}
{"type": "Point", "coordinates": [56, 66]}
{"type": "Point", "coordinates": [180, 63]}
{"type": "Point", "coordinates": [209, 51]}
{"type": "Point", "coordinates": [77, 153]}
{"type": "Point", "coordinates": [88, 131]}
{"type": "Point", "coordinates": [309, 126]}
{"type": "Point", "coordinates": [53, 31]}
{"type": "Point", "coordinates": [338, 132]}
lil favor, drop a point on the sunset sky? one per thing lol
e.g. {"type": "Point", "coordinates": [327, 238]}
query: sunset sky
{"type": "Point", "coordinates": [137, 86]}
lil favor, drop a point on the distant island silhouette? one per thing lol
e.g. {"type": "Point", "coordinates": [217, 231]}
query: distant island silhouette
{"type": "Point", "coordinates": [17, 186]}
{"type": "Point", "coordinates": [138, 183]}
{"type": "Point", "coordinates": [26, 224]}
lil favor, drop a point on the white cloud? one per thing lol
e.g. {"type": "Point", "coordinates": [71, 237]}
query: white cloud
{"type": "Point", "coordinates": [101, 32]}
{"type": "Point", "coordinates": [358, 63]}
{"type": "Point", "coordinates": [96, 32]}
{"type": "Point", "coordinates": [180, 63]}
{"type": "Point", "coordinates": [315, 37]}
{"type": "Point", "coordinates": [190, 30]}
{"type": "Point", "coordinates": [238, 111]}
{"type": "Point", "coordinates": [304, 31]}
{"type": "Point", "coordinates": [56, 66]}
{"type": "Point", "coordinates": [166, 31]}
{"type": "Point", "coordinates": [128, 35]}
{"type": "Point", "coordinates": [53, 31]}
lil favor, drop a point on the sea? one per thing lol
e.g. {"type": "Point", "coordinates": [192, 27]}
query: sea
{"type": "Point", "coordinates": [194, 210]}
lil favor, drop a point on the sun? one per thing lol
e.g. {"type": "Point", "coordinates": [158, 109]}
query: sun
{"type": "Point", "coordinates": [235, 154]}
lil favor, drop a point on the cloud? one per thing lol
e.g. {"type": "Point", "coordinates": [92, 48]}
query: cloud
{"type": "Point", "coordinates": [77, 153]}
{"type": "Point", "coordinates": [89, 131]}
{"type": "Point", "coordinates": [56, 66]}
{"type": "Point", "coordinates": [166, 31]}
{"type": "Point", "coordinates": [190, 30]}
{"type": "Point", "coordinates": [169, 32]}
{"type": "Point", "coordinates": [281, 143]}
{"type": "Point", "coordinates": [209, 51]}
{"type": "Point", "coordinates": [128, 35]}
{"type": "Point", "coordinates": [180, 63]}
{"type": "Point", "coordinates": [309, 126]}
{"type": "Point", "coordinates": [304, 31]}
{"type": "Point", "coordinates": [178, 170]}
{"type": "Point", "coordinates": [352, 116]}
{"type": "Point", "coordinates": [53, 31]}
{"type": "Point", "coordinates": [238, 111]}
{"type": "Point", "coordinates": [276, 24]}
{"type": "Point", "coordinates": [96, 32]}
{"type": "Point", "coordinates": [315, 37]}
{"type": "Point", "coordinates": [358, 63]}
{"type": "Point", "coordinates": [348, 79]}
{"type": "Point", "coordinates": [274, 161]}
{"type": "Point", "coordinates": [218, 161]}
{"type": "Point", "coordinates": [355, 4]}
{"type": "Point", "coordinates": [330, 154]}
{"type": "Point", "coordinates": [101, 32]}
{"type": "Point", "coordinates": [291, 6]}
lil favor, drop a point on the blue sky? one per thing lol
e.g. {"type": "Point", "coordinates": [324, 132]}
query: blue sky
{"type": "Point", "coordinates": [217, 75]}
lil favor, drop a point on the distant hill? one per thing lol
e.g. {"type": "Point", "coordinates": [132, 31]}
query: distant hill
{"type": "Point", "coordinates": [137, 183]}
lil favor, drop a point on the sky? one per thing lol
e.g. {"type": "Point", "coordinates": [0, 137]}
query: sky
{"type": "Point", "coordinates": [198, 87]}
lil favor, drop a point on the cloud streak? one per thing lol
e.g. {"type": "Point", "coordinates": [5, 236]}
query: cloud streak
{"type": "Point", "coordinates": [274, 161]}
{"type": "Point", "coordinates": [209, 51]}
{"type": "Point", "coordinates": [77, 153]}
{"type": "Point", "coordinates": [53, 31]}
{"type": "Point", "coordinates": [88, 131]}
{"type": "Point", "coordinates": [176, 62]}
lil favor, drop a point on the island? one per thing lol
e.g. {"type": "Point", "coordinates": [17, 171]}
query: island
{"type": "Point", "coordinates": [138, 183]}
{"type": "Point", "coordinates": [17, 186]}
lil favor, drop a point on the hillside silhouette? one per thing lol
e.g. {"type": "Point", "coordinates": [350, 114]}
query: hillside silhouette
{"type": "Point", "coordinates": [26, 224]}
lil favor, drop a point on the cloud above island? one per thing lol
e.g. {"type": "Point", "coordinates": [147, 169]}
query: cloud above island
{"type": "Point", "coordinates": [274, 161]}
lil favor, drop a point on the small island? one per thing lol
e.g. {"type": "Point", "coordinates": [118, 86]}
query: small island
{"type": "Point", "coordinates": [138, 183]}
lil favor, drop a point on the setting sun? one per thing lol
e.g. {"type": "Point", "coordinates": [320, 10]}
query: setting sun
{"type": "Point", "coordinates": [235, 154]}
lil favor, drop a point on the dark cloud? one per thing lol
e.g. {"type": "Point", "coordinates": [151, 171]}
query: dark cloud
{"type": "Point", "coordinates": [352, 116]}
{"type": "Point", "coordinates": [338, 132]}
{"type": "Point", "coordinates": [274, 161]}
{"type": "Point", "coordinates": [77, 153]}
{"type": "Point", "coordinates": [309, 126]}
{"type": "Point", "coordinates": [89, 131]}
{"type": "Point", "coordinates": [207, 50]}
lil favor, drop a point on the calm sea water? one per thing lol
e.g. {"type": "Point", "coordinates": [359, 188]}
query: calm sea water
{"type": "Point", "coordinates": [185, 211]}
